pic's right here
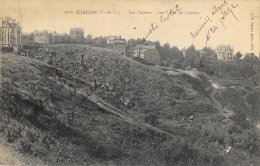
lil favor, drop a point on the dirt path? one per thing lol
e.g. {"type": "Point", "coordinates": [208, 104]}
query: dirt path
{"type": "Point", "coordinates": [9, 155]}
{"type": "Point", "coordinates": [247, 105]}
{"type": "Point", "coordinates": [216, 102]}
{"type": "Point", "coordinates": [225, 110]}
{"type": "Point", "coordinates": [110, 108]}
{"type": "Point", "coordinates": [258, 126]}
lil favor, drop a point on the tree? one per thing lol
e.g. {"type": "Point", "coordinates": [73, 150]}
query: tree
{"type": "Point", "coordinates": [99, 41]}
{"type": "Point", "coordinates": [131, 43]}
{"type": "Point", "coordinates": [191, 56]}
{"type": "Point", "coordinates": [191, 51]}
{"type": "Point", "coordinates": [177, 64]}
{"type": "Point", "coordinates": [158, 45]}
{"type": "Point", "coordinates": [175, 53]}
{"type": "Point", "coordinates": [166, 46]}
{"type": "Point", "coordinates": [209, 51]}
{"type": "Point", "coordinates": [213, 56]}
{"type": "Point", "coordinates": [238, 55]}
{"type": "Point", "coordinates": [67, 39]}
{"type": "Point", "coordinates": [165, 52]}
{"type": "Point", "coordinates": [167, 62]}
{"type": "Point", "coordinates": [89, 39]}
{"type": "Point", "coordinates": [27, 38]}
{"type": "Point", "coordinates": [31, 37]}
{"type": "Point", "coordinates": [197, 62]}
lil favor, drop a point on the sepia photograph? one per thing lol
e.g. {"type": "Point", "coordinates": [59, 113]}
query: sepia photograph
{"type": "Point", "coordinates": [129, 83]}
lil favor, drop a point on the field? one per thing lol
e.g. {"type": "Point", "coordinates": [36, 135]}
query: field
{"type": "Point", "coordinates": [83, 106]}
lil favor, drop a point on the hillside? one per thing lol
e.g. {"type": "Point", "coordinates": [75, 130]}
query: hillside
{"type": "Point", "coordinates": [110, 110]}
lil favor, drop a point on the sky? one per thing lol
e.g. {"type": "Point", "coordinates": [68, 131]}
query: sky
{"type": "Point", "coordinates": [234, 23]}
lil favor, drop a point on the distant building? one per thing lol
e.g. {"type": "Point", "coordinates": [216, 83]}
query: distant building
{"type": "Point", "coordinates": [119, 45]}
{"type": "Point", "coordinates": [224, 52]}
{"type": "Point", "coordinates": [111, 39]}
{"type": "Point", "coordinates": [41, 37]}
{"type": "Point", "coordinates": [27, 38]}
{"type": "Point", "coordinates": [59, 34]}
{"type": "Point", "coordinates": [11, 32]}
{"type": "Point", "coordinates": [142, 46]}
{"type": "Point", "coordinates": [76, 33]}
{"type": "Point", "coordinates": [250, 55]}
{"type": "Point", "coordinates": [139, 49]}
{"type": "Point", "coordinates": [148, 53]}
{"type": "Point", "coordinates": [57, 37]}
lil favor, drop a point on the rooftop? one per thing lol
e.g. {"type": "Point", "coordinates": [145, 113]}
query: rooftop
{"type": "Point", "coordinates": [8, 21]}
{"type": "Point", "coordinates": [77, 30]}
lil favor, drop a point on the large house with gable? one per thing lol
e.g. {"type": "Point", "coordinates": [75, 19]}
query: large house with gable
{"type": "Point", "coordinates": [111, 39]}
{"type": "Point", "coordinates": [41, 37]}
{"type": "Point", "coordinates": [119, 45]}
{"type": "Point", "coordinates": [76, 33]}
{"type": "Point", "coordinates": [11, 32]}
{"type": "Point", "coordinates": [224, 52]}
{"type": "Point", "coordinates": [148, 53]}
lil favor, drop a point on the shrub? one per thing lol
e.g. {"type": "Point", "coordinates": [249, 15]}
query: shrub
{"type": "Point", "coordinates": [138, 59]}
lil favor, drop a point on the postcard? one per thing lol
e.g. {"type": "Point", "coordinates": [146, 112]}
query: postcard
{"type": "Point", "coordinates": [130, 82]}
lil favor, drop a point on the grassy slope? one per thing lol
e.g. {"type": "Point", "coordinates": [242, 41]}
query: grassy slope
{"type": "Point", "coordinates": [150, 129]}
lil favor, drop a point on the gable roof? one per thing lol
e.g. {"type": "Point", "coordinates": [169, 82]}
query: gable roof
{"type": "Point", "coordinates": [41, 32]}
{"type": "Point", "coordinates": [119, 41]}
{"type": "Point", "coordinates": [139, 50]}
{"type": "Point", "coordinates": [151, 51]}
{"type": "Point", "coordinates": [8, 21]}
{"type": "Point", "coordinates": [80, 30]}
{"type": "Point", "coordinates": [224, 47]}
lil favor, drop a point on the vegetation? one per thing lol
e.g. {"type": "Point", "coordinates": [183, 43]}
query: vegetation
{"type": "Point", "coordinates": [90, 106]}
{"type": "Point", "coordinates": [141, 60]}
